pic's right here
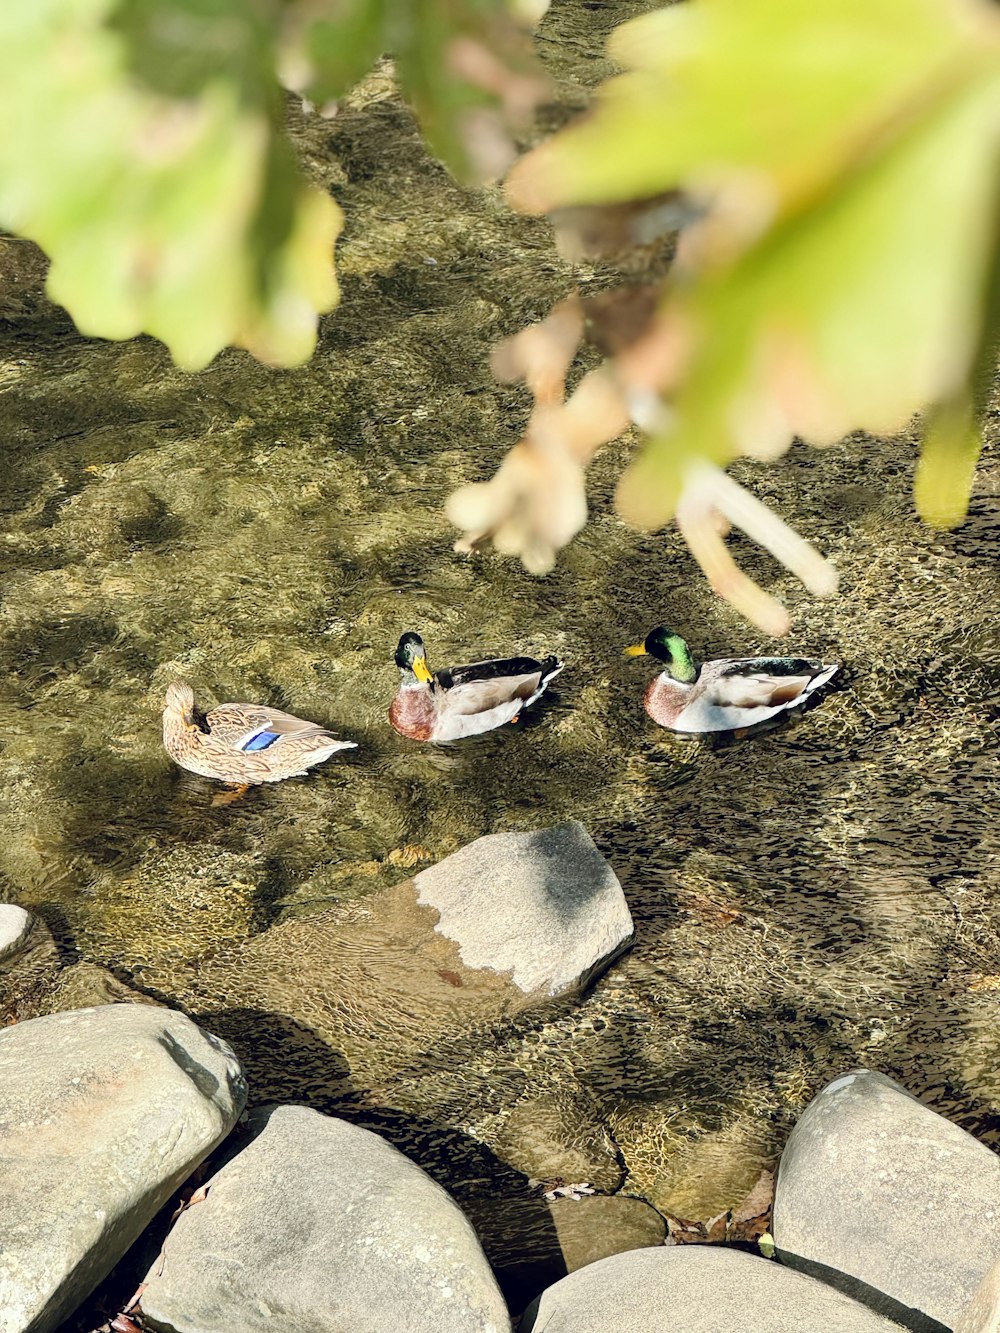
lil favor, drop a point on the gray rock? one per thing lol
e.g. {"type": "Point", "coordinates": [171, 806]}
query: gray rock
{"type": "Point", "coordinates": [875, 1185]}
{"type": "Point", "coordinates": [697, 1289]}
{"type": "Point", "coordinates": [560, 1136]}
{"type": "Point", "coordinates": [320, 1225]}
{"type": "Point", "coordinates": [15, 927]}
{"type": "Point", "coordinates": [545, 906]}
{"type": "Point", "coordinates": [982, 1314]}
{"type": "Point", "coordinates": [103, 1112]}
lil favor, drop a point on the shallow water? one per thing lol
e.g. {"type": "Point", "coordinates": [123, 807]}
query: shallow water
{"type": "Point", "coordinates": [820, 897]}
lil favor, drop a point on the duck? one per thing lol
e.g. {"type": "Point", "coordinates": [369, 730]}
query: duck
{"type": "Point", "coordinates": [242, 744]}
{"type": "Point", "coordinates": [728, 694]}
{"type": "Point", "coordinates": [443, 706]}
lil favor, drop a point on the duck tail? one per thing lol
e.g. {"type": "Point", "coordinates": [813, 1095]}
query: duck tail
{"type": "Point", "coordinates": [829, 670]}
{"type": "Point", "coordinates": [551, 666]}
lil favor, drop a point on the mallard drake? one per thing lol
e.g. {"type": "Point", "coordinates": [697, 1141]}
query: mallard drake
{"type": "Point", "coordinates": [242, 744]}
{"type": "Point", "coordinates": [463, 700]}
{"type": "Point", "coordinates": [727, 694]}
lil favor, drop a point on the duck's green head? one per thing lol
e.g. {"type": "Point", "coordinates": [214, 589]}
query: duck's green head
{"type": "Point", "coordinates": [670, 649]}
{"type": "Point", "coordinates": [411, 657]}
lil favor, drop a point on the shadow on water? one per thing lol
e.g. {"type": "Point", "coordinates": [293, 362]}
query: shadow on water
{"type": "Point", "coordinates": [287, 1062]}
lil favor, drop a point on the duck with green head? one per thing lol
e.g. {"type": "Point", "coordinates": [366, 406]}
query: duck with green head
{"type": "Point", "coordinates": [727, 694]}
{"type": "Point", "coordinates": [462, 701]}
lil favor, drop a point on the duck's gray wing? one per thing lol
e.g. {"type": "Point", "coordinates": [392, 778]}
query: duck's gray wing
{"type": "Point", "coordinates": [482, 686]}
{"type": "Point", "coordinates": [760, 682]}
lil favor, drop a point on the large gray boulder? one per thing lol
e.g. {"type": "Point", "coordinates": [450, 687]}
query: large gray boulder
{"type": "Point", "coordinates": [875, 1185]}
{"type": "Point", "coordinates": [695, 1289]}
{"type": "Point", "coordinates": [418, 976]}
{"type": "Point", "coordinates": [103, 1113]}
{"type": "Point", "coordinates": [320, 1225]}
{"type": "Point", "coordinates": [544, 906]}
{"type": "Point", "coordinates": [533, 1242]}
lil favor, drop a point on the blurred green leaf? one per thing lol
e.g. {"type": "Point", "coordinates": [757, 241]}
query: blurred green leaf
{"type": "Point", "coordinates": [757, 95]}
{"type": "Point", "coordinates": [176, 47]}
{"type": "Point", "coordinates": [143, 149]}
{"type": "Point", "coordinates": [341, 45]}
{"type": "Point", "coordinates": [466, 67]}
{"type": "Point", "coordinates": [182, 217]}
{"type": "Point", "coordinates": [847, 151]}
{"type": "Point", "coordinates": [953, 441]}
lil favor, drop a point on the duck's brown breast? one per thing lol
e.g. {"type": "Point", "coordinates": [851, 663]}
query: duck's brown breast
{"type": "Point", "coordinates": [664, 701]}
{"type": "Point", "coordinates": [412, 714]}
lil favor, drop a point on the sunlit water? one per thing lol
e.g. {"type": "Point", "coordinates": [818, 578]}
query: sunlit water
{"type": "Point", "coordinates": [817, 898]}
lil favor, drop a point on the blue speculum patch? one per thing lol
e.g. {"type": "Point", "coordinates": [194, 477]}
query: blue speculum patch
{"type": "Point", "coordinates": [262, 740]}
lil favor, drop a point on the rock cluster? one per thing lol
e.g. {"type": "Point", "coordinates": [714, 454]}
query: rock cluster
{"type": "Point", "coordinates": [885, 1214]}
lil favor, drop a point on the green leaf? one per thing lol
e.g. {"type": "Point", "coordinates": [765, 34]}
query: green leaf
{"type": "Point", "coordinates": [182, 217]}
{"type": "Point", "coordinates": [849, 315]}
{"type": "Point", "coordinates": [845, 155]}
{"type": "Point", "coordinates": [762, 96]}
{"type": "Point", "coordinates": [953, 441]}
{"type": "Point", "coordinates": [468, 70]}
{"type": "Point", "coordinates": [466, 67]}
{"type": "Point", "coordinates": [342, 46]}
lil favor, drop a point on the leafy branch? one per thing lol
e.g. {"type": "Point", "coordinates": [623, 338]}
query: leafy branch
{"type": "Point", "coordinates": [837, 163]}
{"type": "Point", "coordinates": [143, 149]}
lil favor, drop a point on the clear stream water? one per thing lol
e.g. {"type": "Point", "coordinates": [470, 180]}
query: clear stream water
{"type": "Point", "coordinates": [818, 898]}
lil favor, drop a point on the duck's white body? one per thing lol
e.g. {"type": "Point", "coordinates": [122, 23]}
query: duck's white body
{"type": "Point", "coordinates": [731, 694]}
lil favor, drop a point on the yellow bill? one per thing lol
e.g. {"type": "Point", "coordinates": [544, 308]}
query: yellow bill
{"type": "Point", "coordinates": [421, 670]}
{"type": "Point", "coordinates": [636, 650]}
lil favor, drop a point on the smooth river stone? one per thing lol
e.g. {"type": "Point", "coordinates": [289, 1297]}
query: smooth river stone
{"type": "Point", "coordinates": [544, 906]}
{"type": "Point", "coordinates": [103, 1113]}
{"type": "Point", "coordinates": [319, 1225]}
{"type": "Point", "coordinates": [875, 1185]}
{"type": "Point", "coordinates": [15, 927]}
{"type": "Point", "coordinates": [695, 1289]}
{"type": "Point", "coordinates": [982, 1314]}
{"type": "Point", "coordinates": [412, 978]}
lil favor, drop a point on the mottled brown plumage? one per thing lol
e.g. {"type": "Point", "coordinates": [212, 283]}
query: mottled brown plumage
{"type": "Point", "coordinates": [242, 743]}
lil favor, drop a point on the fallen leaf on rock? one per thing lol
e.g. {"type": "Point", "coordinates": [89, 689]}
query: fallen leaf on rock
{"type": "Point", "coordinates": [123, 1324]}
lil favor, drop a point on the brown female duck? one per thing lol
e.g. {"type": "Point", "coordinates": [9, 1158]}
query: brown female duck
{"type": "Point", "coordinates": [242, 744]}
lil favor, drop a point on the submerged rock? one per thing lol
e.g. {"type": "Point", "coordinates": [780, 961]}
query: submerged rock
{"type": "Point", "coordinates": [103, 1112]}
{"type": "Point", "coordinates": [320, 1225]}
{"type": "Point", "coordinates": [875, 1185]}
{"type": "Point", "coordinates": [85, 985]}
{"type": "Point", "coordinates": [544, 906]}
{"type": "Point", "coordinates": [15, 927]}
{"type": "Point", "coordinates": [560, 1135]}
{"type": "Point", "coordinates": [411, 981]}
{"type": "Point", "coordinates": [532, 1243]}
{"type": "Point", "coordinates": [697, 1289]}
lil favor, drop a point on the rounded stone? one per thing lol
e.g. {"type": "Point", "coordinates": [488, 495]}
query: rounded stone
{"type": "Point", "coordinates": [15, 926]}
